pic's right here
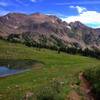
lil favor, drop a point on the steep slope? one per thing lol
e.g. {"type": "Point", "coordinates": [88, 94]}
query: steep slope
{"type": "Point", "coordinates": [48, 31]}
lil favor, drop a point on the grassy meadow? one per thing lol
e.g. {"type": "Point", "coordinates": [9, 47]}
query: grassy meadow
{"type": "Point", "coordinates": [47, 66]}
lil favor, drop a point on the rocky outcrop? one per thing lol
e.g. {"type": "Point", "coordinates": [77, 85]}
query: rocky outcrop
{"type": "Point", "coordinates": [49, 31]}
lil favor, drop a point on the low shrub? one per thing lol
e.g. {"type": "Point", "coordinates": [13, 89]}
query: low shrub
{"type": "Point", "coordinates": [93, 75]}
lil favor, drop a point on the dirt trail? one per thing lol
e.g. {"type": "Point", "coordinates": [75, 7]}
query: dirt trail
{"type": "Point", "coordinates": [85, 89]}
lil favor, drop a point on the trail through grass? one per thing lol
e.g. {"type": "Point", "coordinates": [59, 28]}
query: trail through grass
{"type": "Point", "coordinates": [62, 67]}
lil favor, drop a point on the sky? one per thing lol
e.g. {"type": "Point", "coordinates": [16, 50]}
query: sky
{"type": "Point", "coordinates": [85, 11]}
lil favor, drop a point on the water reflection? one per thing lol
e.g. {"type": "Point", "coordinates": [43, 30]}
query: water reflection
{"type": "Point", "coordinates": [5, 71]}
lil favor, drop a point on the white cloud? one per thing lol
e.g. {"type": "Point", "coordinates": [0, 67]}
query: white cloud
{"type": "Point", "coordinates": [79, 9]}
{"type": "Point", "coordinates": [72, 6]}
{"type": "Point", "coordinates": [3, 4]}
{"type": "Point", "coordinates": [90, 18]}
{"type": "Point", "coordinates": [33, 0]}
{"type": "Point", "coordinates": [3, 12]}
{"type": "Point", "coordinates": [79, 3]}
{"type": "Point", "coordinates": [22, 2]}
{"type": "Point", "coordinates": [85, 17]}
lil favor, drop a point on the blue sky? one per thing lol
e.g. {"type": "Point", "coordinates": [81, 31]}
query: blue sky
{"type": "Point", "coordinates": [86, 11]}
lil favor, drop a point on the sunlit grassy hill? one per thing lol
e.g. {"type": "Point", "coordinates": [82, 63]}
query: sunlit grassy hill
{"type": "Point", "coordinates": [47, 66]}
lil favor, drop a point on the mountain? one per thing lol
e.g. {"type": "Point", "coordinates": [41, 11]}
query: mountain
{"type": "Point", "coordinates": [48, 31]}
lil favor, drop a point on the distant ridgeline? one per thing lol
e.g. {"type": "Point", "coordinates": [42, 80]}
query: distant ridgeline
{"type": "Point", "coordinates": [46, 31]}
{"type": "Point", "coordinates": [58, 47]}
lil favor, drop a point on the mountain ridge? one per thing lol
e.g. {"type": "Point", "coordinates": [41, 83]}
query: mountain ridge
{"type": "Point", "coordinates": [49, 31]}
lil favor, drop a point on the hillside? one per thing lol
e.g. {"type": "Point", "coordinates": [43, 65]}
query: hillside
{"type": "Point", "coordinates": [49, 31]}
{"type": "Point", "coordinates": [50, 67]}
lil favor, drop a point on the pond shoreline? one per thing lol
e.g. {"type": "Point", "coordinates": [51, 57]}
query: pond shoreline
{"type": "Point", "coordinates": [12, 72]}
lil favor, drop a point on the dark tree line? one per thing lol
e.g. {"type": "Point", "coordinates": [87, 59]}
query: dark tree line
{"type": "Point", "coordinates": [85, 52]}
{"type": "Point", "coordinates": [58, 45]}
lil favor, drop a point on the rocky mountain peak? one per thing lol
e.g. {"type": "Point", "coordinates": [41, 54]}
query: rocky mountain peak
{"type": "Point", "coordinates": [75, 33]}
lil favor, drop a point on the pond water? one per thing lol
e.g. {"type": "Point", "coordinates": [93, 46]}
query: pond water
{"type": "Point", "coordinates": [5, 71]}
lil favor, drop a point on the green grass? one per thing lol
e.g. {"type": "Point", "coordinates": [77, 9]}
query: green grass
{"type": "Point", "coordinates": [49, 65]}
